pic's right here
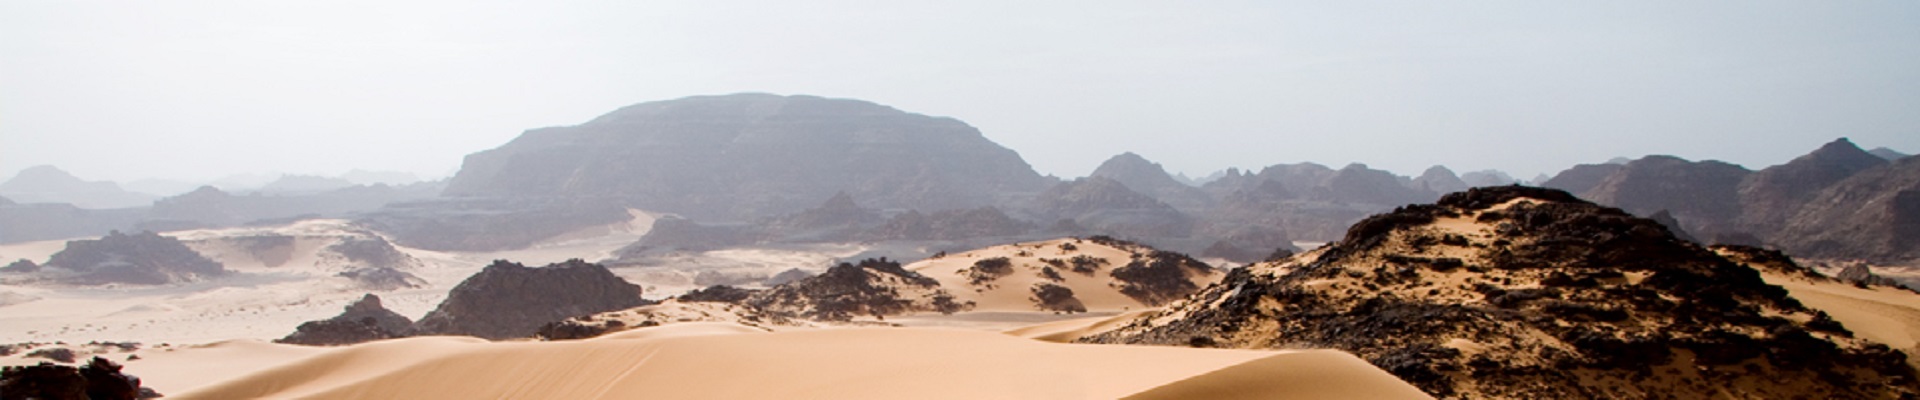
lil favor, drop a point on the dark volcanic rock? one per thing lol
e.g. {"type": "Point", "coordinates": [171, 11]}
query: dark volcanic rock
{"type": "Point", "coordinates": [1108, 207]}
{"type": "Point", "coordinates": [1703, 196]}
{"type": "Point", "coordinates": [1771, 196]}
{"type": "Point", "coordinates": [98, 380]}
{"type": "Point", "coordinates": [1872, 215]}
{"type": "Point", "coordinates": [364, 320]}
{"type": "Point", "coordinates": [143, 258]}
{"type": "Point", "coordinates": [1148, 178]}
{"type": "Point", "coordinates": [509, 300]}
{"type": "Point", "coordinates": [1517, 292]}
{"type": "Point", "coordinates": [718, 294]}
{"type": "Point", "coordinates": [743, 156]}
{"type": "Point", "coordinates": [874, 287]}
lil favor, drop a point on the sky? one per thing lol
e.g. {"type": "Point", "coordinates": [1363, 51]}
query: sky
{"type": "Point", "coordinates": [197, 90]}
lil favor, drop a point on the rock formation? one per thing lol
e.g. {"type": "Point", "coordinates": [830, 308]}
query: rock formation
{"type": "Point", "coordinates": [1108, 207]}
{"type": "Point", "coordinates": [874, 287]}
{"type": "Point", "coordinates": [1771, 196]}
{"type": "Point", "coordinates": [1872, 215]}
{"type": "Point", "coordinates": [1516, 292]}
{"type": "Point", "coordinates": [1582, 178]}
{"type": "Point", "coordinates": [509, 300]}
{"type": "Point", "coordinates": [364, 320]}
{"type": "Point", "coordinates": [1439, 179]}
{"type": "Point", "coordinates": [143, 258]}
{"type": "Point", "coordinates": [1148, 178]}
{"type": "Point", "coordinates": [1485, 178]}
{"type": "Point", "coordinates": [1703, 196]}
{"type": "Point", "coordinates": [98, 380]}
{"type": "Point", "coordinates": [744, 156]}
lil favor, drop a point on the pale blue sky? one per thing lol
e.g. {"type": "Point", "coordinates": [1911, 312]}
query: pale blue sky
{"type": "Point", "coordinates": [199, 89]}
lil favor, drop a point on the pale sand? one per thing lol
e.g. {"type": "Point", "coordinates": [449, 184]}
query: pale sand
{"type": "Point", "coordinates": [1886, 315]}
{"type": "Point", "coordinates": [729, 361]}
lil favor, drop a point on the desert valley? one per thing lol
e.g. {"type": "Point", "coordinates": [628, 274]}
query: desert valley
{"type": "Point", "coordinates": [791, 246]}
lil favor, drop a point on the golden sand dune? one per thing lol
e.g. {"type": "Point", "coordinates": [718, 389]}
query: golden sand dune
{"type": "Point", "coordinates": [1882, 314]}
{"type": "Point", "coordinates": [730, 361]}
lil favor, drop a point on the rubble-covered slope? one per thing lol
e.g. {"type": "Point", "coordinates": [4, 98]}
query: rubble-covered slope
{"type": "Point", "coordinates": [1517, 292]}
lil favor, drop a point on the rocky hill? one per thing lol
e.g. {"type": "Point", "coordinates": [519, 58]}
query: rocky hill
{"type": "Point", "coordinates": [1516, 292]}
{"type": "Point", "coordinates": [1147, 177]}
{"type": "Point", "coordinates": [1887, 154]}
{"type": "Point", "coordinates": [1106, 206]}
{"type": "Point", "coordinates": [1582, 178]}
{"type": "Point", "coordinates": [143, 258]}
{"type": "Point", "coordinates": [1068, 275]}
{"type": "Point", "coordinates": [364, 320]}
{"type": "Point", "coordinates": [509, 300]}
{"type": "Point", "coordinates": [1874, 214]}
{"type": "Point", "coordinates": [1439, 179]}
{"type": "Point", "coordinates": [745, 156]}
{"type": "Point", "coordinates": [1702, 195]}
{"type": "Point", "coordinates": [872, 288]}
{"type": "Point", "coordinates": [1771, 196]}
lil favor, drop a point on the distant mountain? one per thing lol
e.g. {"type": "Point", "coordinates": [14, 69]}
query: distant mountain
{"type": "Point", "coordinates": [365, 177]}
{"type": "Point", "coordinates": [1147, 177]}
{"type": "Point", "coordinates": [47, 184]}
{"type": "Point", "coordinates": [1582, 178]}
{"type": "Point", "coordinates": [1107, 207]}
{"type": "Point", "coordinates": [1703, 195]}
{"type": "Point", "coordinates": [1439, 179]}
{"type": "Point", "coordinates": [1484, 178]}
{"type": "Point", "coordinates": [1887, 153]}
{"type": "Point", "coordinates": [745, 156]}
{"type": "Point", "coordinates": [1357, 184]}
{"type": "Point", "coordinates": [1771, 196]}
{"type": "Point", "coordinates": [1518, 292]}
{"type": "Point", "coordinates": [304, 184]}
{"type": "Point", "coordinates": [1874, 214]}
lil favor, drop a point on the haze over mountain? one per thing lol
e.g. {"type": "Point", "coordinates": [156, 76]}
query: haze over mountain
{"type": "Point", "coordinates": [48, 184]}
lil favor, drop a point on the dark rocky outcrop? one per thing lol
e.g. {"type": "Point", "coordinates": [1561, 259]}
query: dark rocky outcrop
{"type": "Point", "coordinates": [142, 258]}
{"type": "Point", "coordinates": [1860, 273]}
{"type": "Point", "coordinates": [1673, 226]}
{"type": "Point", "coordinates": [874, 287]}
{"type": "Point", "coordinates": [1148, 178]}
{"type": "Point", "coordinates": [509, 300]}
{"type": "Point", "coordinates": [746, 156]}
{"type": "Point", "coordinates": [1771, 196]}
{"type": "Point", "coordinates": [1517, 292]}
{"type": "Point", "coordinates": [362, 321]}
{"type": "Point", "coordinates": [98, 380]}
{"type": "Point", "coordinates": [1056, 298]}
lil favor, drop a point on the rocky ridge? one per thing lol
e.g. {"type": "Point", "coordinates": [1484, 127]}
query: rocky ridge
{"type": "Point", "coordinates": [1516, 292]}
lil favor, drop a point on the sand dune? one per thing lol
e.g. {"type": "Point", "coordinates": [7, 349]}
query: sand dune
{"type": "Point", "coordinates": [1882, 314]}
{"type": "Point", "coordinates": [730, 361]}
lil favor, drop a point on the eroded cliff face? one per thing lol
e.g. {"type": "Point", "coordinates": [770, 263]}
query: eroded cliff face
{"type": "Point", "coordinates": [744, 156]}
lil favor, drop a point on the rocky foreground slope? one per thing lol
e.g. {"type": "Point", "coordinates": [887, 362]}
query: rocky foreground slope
{"type": "Point", "coordinates": [1516, 292]}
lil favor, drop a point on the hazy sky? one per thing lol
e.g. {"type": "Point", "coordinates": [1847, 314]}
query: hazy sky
{"type": "Point", "coordinates": [198, 90]}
